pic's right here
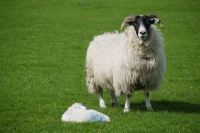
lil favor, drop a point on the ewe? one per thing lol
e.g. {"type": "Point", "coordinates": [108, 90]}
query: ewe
{"type": "Point", "coordinates": [126, 62]}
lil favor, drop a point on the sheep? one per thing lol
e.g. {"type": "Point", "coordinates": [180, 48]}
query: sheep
{"type": "Point", "coordinates": [128, 61]}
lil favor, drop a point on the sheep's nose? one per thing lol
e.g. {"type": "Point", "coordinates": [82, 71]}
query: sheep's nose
{"type": "Point", "coordinates": [142, 32]}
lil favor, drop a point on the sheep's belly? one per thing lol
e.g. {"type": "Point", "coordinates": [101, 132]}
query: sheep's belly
{"type": "Point", "coordinates": [148, 81]}
{"type": "Point", "coordinates": [146, 76]}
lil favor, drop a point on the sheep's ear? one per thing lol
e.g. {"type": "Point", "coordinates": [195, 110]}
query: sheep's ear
{"type": "Point", "coordinates": [128, 20]}
{"type": "Point", "coordinates": [155, 19]}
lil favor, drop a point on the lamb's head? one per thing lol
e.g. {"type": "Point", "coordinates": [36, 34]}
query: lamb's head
{"type": "Point", "coordinates": [142, 24]}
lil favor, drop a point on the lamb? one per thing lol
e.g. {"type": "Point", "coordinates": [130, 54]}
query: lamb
{"type": "Point", "coordinates": [128, 61]}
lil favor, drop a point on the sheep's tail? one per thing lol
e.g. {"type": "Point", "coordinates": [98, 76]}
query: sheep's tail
{"type": "Point", "coordinates": [92, 88]}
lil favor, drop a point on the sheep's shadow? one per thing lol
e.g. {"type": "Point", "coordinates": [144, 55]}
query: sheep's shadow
{"type": "Point", "coordinates": [169, 106]}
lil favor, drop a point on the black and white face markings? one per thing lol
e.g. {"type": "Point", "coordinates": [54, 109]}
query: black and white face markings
{"type": "Point", "coordinates": [141, 25]}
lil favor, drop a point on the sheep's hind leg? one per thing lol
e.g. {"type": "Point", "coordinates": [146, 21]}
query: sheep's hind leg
{"type": "Point", "coordinates": [101, 101]}
{"type": "Point", "coordinates": [148, 103]}
{"type": "Point", "coordinates": [127, 104]}
{"type": "Point", "coordinates": [113, 98]}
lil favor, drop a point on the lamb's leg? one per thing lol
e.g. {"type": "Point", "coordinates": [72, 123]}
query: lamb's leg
{"type": "Point", "coordinates": [148, 103]}
{"type": "Point", "coordinates": [127, 104]}
{"type": "Point", "coordinates": [101, 101]}
{"type": "Point", "coordinates": [114, 98]}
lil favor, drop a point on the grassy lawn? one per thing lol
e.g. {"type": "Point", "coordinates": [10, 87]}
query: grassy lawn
{"type": "Point", "coordinates": [42, 65]}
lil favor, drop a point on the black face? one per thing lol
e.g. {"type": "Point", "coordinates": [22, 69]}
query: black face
{"type": "Point", "coordinates": [141, 21]}
{"type": "Point", "coordinates": [141, 25]}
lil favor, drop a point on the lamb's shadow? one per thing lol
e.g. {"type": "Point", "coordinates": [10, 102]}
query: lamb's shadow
{"type": "Point", "coordinates": [170, 106]}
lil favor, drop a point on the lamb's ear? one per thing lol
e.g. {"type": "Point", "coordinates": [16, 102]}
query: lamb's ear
{"type": "Point", "coordinates": [155, 19]}
{"type": "Point", "coordinates": [128, 20]}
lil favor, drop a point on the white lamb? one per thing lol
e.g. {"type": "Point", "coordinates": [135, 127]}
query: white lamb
{"type": "Point", "coordinates": [128, 61]}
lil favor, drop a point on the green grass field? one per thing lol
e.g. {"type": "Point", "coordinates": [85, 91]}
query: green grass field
{"type": "Point", "coordinates": [42, 66]}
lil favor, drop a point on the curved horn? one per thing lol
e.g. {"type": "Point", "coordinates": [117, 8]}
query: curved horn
{"type": "Point", "coordinates": [127, 20]}
{"type": "Point", "coordinates": [157, 19]}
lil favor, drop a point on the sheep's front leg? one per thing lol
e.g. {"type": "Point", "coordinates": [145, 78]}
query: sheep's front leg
{"type": "Point", "coordinates": [101, 101]}
{"type": "Point", "coordinates": [113, 98]}
{"type": "Point", "coordinates": [127, 104]}
{"type": "Point", "coordinates": [148, 103]}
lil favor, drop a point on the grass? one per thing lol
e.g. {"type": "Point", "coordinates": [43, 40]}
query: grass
{"type": "Point", "coordinates": [42, 65]}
